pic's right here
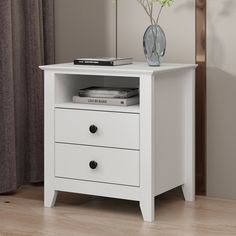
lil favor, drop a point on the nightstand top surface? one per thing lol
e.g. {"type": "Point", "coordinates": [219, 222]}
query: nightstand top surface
{"type": "Point", "coordinates": [135, 69]}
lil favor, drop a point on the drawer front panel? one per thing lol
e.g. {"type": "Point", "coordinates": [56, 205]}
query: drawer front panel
{"type": "Point", "coordinates": [113, 129]}
{"type": "Point", "coordinates": [115, 166]}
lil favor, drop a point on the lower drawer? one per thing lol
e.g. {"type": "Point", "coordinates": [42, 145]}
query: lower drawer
{"type": "Point", "coordinates": [108, 165]}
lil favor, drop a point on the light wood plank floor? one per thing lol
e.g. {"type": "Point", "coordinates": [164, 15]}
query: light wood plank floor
{"type": "Point", "coordinates": [74, 215]}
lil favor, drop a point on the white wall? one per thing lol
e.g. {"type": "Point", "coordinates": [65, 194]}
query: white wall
{"type": "Point", "coordinates": [178, 22]}
{"type": "Point", "coordinates": [84, 28]}
{"type": "Point", "coordinates": [87, 28]}
{"type": "Point", "coordinates": [221, 98]}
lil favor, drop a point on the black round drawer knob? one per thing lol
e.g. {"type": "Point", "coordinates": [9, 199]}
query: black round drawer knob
{"type": "Point", "coordinates": [93, 129]}
{"type": "Point", "coordinates": [93, 164]}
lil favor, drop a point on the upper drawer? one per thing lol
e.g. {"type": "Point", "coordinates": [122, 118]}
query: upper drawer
{"type": "Point", "coordinates": [97, 128]}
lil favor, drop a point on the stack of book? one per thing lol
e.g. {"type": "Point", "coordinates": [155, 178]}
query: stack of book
{"type": "Point", "coordinates": [108, 96]}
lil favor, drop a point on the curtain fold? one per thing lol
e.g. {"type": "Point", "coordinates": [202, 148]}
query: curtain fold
{"type": "Point", "coordinates": [26, 41]}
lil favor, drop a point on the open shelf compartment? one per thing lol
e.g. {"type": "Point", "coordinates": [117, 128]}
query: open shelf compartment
{"type": "Point", "coordinates": [67, 86]}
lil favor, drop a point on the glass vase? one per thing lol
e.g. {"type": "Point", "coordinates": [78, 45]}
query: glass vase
{"type": "Point", "coordinates": [154, 45]}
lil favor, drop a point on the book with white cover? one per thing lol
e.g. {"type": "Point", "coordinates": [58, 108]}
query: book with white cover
{"type": "Point", "coordinates": [107, 101]}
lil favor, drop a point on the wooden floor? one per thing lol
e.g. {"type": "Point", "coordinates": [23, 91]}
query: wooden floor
{"type": "Point", "coordinates": [23, 214]}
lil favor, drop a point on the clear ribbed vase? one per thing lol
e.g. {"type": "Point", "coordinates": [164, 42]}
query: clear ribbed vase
{"type": "Point", "coordinates": [154, 45]}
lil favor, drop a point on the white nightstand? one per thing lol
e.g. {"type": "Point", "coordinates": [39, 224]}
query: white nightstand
{"type": "Point", "coordinates": [136, 152]}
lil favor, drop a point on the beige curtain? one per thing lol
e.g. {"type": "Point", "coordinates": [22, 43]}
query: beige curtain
{"type": "Point", "coordinates": [26, 41]}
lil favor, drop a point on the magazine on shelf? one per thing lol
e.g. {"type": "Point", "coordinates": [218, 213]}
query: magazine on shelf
{"type": "Point", "coordinates": [107, 101]}
{"type": "Point", "coordinates": [108, 92]}
{"type": "Point", "coordinates": [106, 61]}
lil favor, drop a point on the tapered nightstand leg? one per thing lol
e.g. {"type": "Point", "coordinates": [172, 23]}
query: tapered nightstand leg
{"type": "Point", "coordinates": [147, 151]}
{"type": "Point", "coordinates": [189, 193]}
{"type": "Point", "coordinates": [148, 210]}
{"type": "Point", "coordinates": [50, 197]}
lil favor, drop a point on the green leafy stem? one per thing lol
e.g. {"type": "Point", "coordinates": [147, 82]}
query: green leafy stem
{"type": "Point", "coordinates": [148, 6]}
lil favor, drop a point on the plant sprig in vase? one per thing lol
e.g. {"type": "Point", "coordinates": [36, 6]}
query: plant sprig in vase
{"type": "Point", "coordinates": [154, 40]}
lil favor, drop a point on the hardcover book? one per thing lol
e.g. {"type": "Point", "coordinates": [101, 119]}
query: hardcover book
{"type": "Point", "coordinates": [108, 92]}
{"type": "Point", "coordinates": [111, 61]}
{"type": "Point", "coordinates": [107, 101]}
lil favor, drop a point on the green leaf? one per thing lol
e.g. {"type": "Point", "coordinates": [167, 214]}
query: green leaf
{"type": "Point", "coordinates": [166, 2]}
